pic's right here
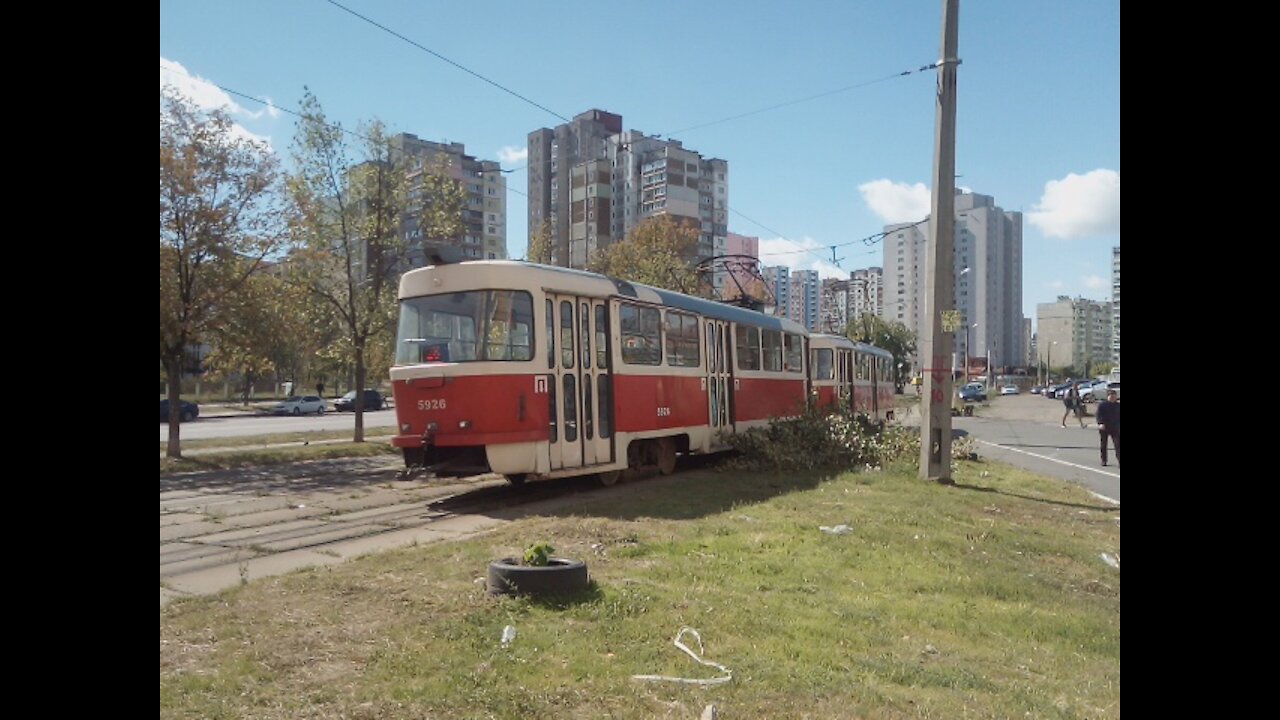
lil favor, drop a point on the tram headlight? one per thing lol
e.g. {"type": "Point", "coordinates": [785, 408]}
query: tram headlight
{"type": "Point", "coordinates": [405, 427]}
{"type": "Point", "coordinates": [464, 424]}
{"type": "Point", "coordinates": [432, 427]}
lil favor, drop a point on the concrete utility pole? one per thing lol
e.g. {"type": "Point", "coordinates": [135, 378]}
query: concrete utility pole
{"type": "Point", "coordinates": [935, 428]}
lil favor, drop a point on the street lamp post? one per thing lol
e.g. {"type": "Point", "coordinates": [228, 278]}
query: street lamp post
{"type": "Point", "coordinates": [966, 350]}
{"type": "Point", "coordinates": [1048, 363]}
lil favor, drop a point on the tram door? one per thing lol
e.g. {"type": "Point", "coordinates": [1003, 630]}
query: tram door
{"type": "Point", "coordinates": [581, 401]}
{"type": "Point", "coordinates": [719, 377]}
{"type": "Point", "coordinates": [844, 377]}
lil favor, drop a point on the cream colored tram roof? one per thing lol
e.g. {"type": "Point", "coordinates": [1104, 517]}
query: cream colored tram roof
{"type": "Point", "coordinates": [478, 274]}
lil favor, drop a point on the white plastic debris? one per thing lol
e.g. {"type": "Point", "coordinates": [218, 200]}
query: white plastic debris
{"type": "Point", "coordinates": [841, 529]}
{"type": "Point", "coordinates": [508, 634]}
{"type": "Point", "coordinates": [709, 712]}
{"type": "Point", "coordinates": [728, 674]}
{"type": "Point", "coordinates": [1110, 560]}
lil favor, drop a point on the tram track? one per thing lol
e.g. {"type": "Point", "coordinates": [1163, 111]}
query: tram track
{"type": "Point", "coordinates": [220, 528]}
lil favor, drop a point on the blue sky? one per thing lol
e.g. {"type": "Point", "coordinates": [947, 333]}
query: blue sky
{"type": "Point", "coordinates": [849, 150]}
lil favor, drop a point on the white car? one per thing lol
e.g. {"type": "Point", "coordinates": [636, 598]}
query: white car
{"type": "Point", "coordinates": [1094, 392]}
{"type": "Point", "coordinates": [299, 405]}
{"type": "Point", "coordinates": [1009, 390]}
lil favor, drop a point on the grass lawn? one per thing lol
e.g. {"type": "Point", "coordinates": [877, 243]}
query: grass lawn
{"type": "Point", "coordinates": [986, 599]}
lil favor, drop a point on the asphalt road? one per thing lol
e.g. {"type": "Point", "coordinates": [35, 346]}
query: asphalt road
{"type": "Point", "coordinates": [212, 425]}
{"type": "Point", "coordinates": [1026, 431]}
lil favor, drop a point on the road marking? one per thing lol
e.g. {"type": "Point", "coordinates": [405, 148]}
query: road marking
{"type": "Point", "coordinates": [1062, 462]}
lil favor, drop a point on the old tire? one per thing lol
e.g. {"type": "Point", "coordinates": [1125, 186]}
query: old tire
{"type": "Point", "coordinates": [560, 576]}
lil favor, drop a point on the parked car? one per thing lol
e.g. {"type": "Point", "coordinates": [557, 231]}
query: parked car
{"type": "Point", "coordinates": [299, 405]}
{"type": "Point", "coordinates": [1057, 391]}
{"type": "Point", "coordinates": [190, 411]}
{"type": "Point", "coordinates": [973, 392]}
{"type": "Point", "coordinates": [373, 400]}
{"type": "Point", "coordinates": [1114, 385]}
{"type": "Point", "coordinates": [1009, 390]}
{"type": "Point", "coordinates": [1092, 391]}
{"type": "Point", "coordinates": [1037, 389]}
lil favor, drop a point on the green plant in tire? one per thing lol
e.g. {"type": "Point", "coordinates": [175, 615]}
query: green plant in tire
{"type": "Point", "coordinates": [538, 554]}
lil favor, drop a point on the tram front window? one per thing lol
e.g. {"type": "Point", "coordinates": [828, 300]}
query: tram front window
{"type": "Point", "coordinates": [465, 327]}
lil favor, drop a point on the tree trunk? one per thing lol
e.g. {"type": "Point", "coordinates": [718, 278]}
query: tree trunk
{"type": "Point", "coordinates": [360, 378]}
{"type": "Point", "coordinates": [173, 367]}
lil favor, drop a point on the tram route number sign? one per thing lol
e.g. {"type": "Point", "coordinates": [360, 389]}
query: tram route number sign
{"type": "Point", "coordinates": [950, 320]}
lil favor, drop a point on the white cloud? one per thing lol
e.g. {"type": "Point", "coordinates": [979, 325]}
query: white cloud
{"type": "Point", "coordinates": [1056, 284]}
{"type": "Point", "coordinates": [510, 155]}
{"type": "Point", "coordinates": [208, 96]}
{"type": "Point", "coordinates": [1079, 205]}
{"type": "Point", "coordinates": [896, 202]}
{"type": "Point", "coordinates": [778, 251]}
{"type": "Point", "coordinates": [1093, 282]}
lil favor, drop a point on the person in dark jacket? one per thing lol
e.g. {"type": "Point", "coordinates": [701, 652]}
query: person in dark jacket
{"type": "Point", "coordinates": [1109, 425]}
{"type": "Point", "coordinates": [1072, 404]}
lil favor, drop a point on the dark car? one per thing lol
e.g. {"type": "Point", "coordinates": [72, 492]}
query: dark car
{"type": "Point", "coordinates": [373, 400]}
{"type": "Point", "coordinates": [190, 411]}
{"type": "Point", "coordinates": [973, 392]}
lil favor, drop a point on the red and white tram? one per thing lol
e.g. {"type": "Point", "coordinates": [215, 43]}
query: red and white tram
{"type": "Point", "coordinates": [536, 371]}
{"type": "Point", "coordinates": [852, 375]}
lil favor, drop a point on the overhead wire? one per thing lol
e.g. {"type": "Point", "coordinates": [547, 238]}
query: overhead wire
{"type": "Point", "coordinates": [298, 115]}
{"type": "Point", "coordinates": [433, 53]}
{"type": "Point", "coordinates": [461, 67]}
{"type": "Point", "coordinates": [740, 115]}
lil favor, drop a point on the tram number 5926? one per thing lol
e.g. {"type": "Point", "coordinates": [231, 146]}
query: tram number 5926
{"type": "Point", "coordinates": [434, 404]}
{"type": "Point", "coordinates": [664, 411]}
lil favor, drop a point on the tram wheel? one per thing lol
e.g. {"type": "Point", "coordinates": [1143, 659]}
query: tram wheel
{"type": "Point", "coordinates": [666, 456]}
{"type": "Point", "coordinates": [517, 479]}
{"type": "Point", "coordinates": [609, 478]}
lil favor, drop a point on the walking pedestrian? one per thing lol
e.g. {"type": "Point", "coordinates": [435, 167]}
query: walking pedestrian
{"type": "Point", "coordinates": [1109, 425]}
{"type": "Point", "coordinates": [320, 389]}
{"type": "Point", "coordinates": [1072, 404]}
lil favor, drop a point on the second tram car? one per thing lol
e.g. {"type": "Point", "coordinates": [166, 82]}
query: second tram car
{"type": "Point", "coordinates": [537, 371]}
{"type": "Point", "coordinates": [852, 375]}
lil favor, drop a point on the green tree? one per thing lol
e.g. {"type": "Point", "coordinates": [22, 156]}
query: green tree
{"type": "Point", "coordinates": [539, 250]}
{"type": "Point", "coordinates": [347, 227]}
{"type": "Point", "coordinates": [658, 252]}
{"type": "Point", "coordinates": [270, 328]}
{"type": "Point", "coordinates": [888, 335]}
{"type": "Point", "coordinates": [220, 216]}
{"type": "Point", "coordinates": [352, 216]}
{"type": "Point", "coordinates": [436, 200]}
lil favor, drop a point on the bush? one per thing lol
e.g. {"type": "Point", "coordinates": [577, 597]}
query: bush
{"type": "Point", "coordinates": [818, 439]}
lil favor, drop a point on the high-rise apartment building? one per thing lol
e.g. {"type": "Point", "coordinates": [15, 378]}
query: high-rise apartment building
{"type": "Point", "coordinates": [1115, 305]}
{"type": "Point", "coordinates": [866, 292]}
{"type": "Point", "coordinates": [834, 306]}
{"type": "Point", "coordinates": [777, 283]}
{"type": "Point", "coordinates": [580, 148]}
{"type": "Point", "coordinates": [1074, 333]}
{"type": "Point", "coordinates": [592, 184]}
{"type": "Point", "coordinates": [988, 278]}
{"type": "Point", "coordinates": [484, 230]}
{"type": "Point", "coordinates": [804, 304]}
{"type": "Point", "coordinates": [741, 272]}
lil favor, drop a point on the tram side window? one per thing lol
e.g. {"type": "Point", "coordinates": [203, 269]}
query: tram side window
{"type": "Point", "coordinates": [795, 353]}
{"type": "Point", "coordinates": [641, 339]}
{"type": "Point", "coordinates": [747, 341]}
{"type": "Point", "coordinates": [551, 334]}
{"type": "Point", "coordinates": [682, 340]}
{"type": "Point", "coordinates": [824, 365]}
{"type": "Point", "coordinates": [772, 355]}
